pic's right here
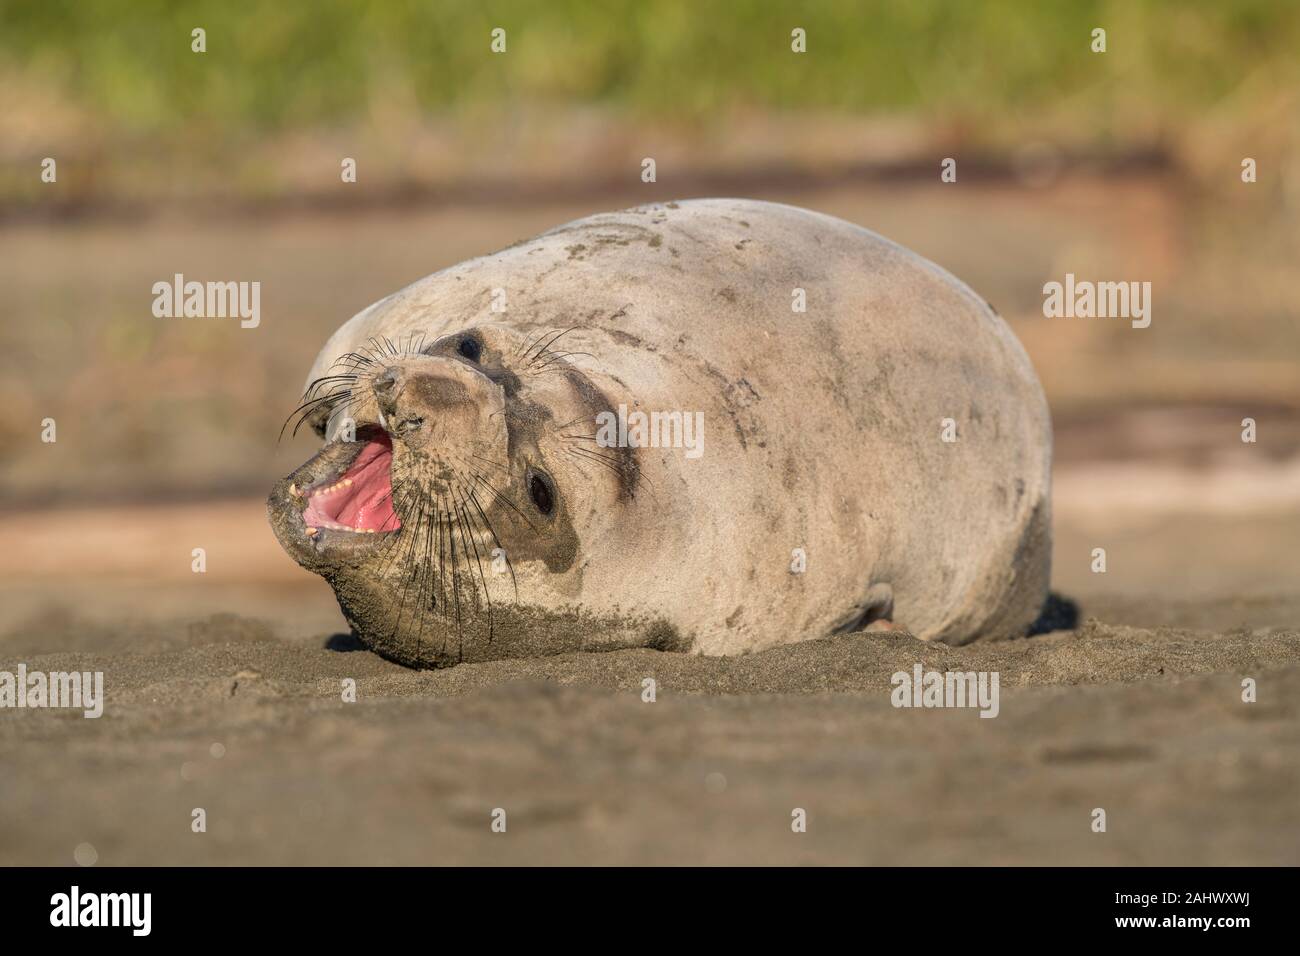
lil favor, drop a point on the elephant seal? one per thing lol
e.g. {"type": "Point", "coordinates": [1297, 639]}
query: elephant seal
{"type": "Point", "coordinates": [839, 433]}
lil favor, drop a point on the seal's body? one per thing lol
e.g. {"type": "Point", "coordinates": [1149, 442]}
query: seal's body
{"type": "Point", "coordinates": [875, 445]}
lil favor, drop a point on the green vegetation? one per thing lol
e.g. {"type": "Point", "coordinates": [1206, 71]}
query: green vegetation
{"type": "Point", "coordinates": [282, 66]}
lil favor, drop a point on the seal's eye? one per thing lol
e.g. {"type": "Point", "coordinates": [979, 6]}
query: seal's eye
{"type": "Point", "coordinates": [542, 492]}
{"type": "Point", "coordinates": [471, 348]}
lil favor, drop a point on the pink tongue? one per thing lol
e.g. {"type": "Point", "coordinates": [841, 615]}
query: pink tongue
{"type": "Point", "coordinates": [369, 502]}
{"type": "Point", "coordinates": [365, 504]}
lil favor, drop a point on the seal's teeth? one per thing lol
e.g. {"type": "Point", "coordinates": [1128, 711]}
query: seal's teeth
{"type": "Point", "coordinates": [293, 490]}
{"type": "Point", "coordinates": [347, 482]}
{"type": "Point", "coordinates": [311, 532]}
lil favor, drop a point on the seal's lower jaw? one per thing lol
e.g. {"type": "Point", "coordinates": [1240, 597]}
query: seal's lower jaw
{"type": "Point", "coordinates": [339, 505]}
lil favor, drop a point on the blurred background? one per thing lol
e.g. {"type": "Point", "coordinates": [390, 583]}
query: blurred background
{"type": "Point", "coordinates": [225, 165]}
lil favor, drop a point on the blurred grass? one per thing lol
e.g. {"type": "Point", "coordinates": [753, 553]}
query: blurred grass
{"type": "Point", "coordinates": [287, 66]}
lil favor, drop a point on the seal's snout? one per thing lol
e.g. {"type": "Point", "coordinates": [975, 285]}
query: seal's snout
{"type": "Point", "coordinates": [431, 384]}
{"type": "Point", "coordinates": [387, 387]}
{"type": "Point", "coordinates": [437, 405]}
{"type": "Point", "coordinates": [385, 382]}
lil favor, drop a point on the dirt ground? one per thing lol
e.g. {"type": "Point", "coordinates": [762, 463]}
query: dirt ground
{"type": "Point", "coordinates": [1147, 724]}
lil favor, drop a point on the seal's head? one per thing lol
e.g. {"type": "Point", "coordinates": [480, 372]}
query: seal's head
{"type": "Point", "coordinates": [451, 506]}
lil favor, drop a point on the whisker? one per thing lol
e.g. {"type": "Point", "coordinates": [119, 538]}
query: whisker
{"type": "Point", "coordinates": [308, 408]}
{"type": "Point", "coordinates": [406, 567]}
{"type": "Point", "coordinates": [502, 498]}
{"type": "Point", "coordinates": [487, 597]}
{"type": "Point", "coordinates": [542, 350]}
{"type": "Point", "coordinates": [530, 342]}
{"type": "Point", "coordinates": [494, 464]}
{"type": "Point", "coordinates": [582, 418]}
{"type": "Point", "coordinates": [553, 360]}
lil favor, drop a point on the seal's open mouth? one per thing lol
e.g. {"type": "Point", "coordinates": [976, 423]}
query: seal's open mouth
{"type": "Point", "coordinates": [360, 500]}
{"type": "Point", "coordinates": [339, 503]}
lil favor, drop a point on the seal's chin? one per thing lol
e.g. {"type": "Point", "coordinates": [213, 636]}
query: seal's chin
{"type": "Point", "coordinates": [339, 504]}
{"type": "Point", "coordinates": [360, 500]}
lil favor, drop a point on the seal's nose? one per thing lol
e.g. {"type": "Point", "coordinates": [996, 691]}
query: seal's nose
{"type": "Point", "coordinates": [385, 382]}
{"type": "Point", "coordinates": [387, 386]}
